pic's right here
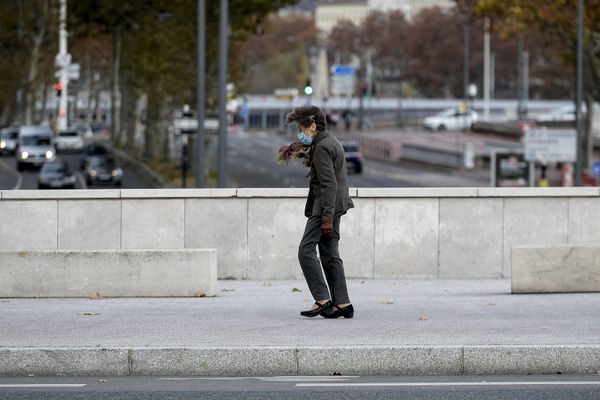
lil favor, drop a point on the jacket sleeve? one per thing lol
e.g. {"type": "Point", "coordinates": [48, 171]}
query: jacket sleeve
{"type": "Point", "coordinates": [326, 175]}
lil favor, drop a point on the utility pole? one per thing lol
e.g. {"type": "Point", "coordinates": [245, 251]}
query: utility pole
{"type": "Point", "coordinates": [486, 70]}
{"type": "Point", "coordinates": [578, 100]}
{"type": "Point", "coordinates": [201, 94]}
{"type": "Point", "coordinates": [223, 31]}
{"type": "Point", "coordinates": [520, 115]}
{"type": "Point", "coordinates": [467, 50]}
{"type": "Point", "coordinates": [63, 59]}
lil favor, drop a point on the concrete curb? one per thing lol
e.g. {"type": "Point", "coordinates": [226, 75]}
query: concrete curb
{"type": "Point", "coordinates": [290, 360]}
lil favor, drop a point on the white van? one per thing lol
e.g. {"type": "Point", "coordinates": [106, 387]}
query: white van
{"type": "Point", "coordinates": [35, 146]}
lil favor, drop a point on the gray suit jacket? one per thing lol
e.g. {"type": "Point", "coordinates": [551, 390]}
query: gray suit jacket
{"type": "Point", "coordinates": [328, 192]}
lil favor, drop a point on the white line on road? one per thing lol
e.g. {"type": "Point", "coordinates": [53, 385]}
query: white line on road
{"type": "Point", "coordinates": [81, 180]}
{"type": "Point", "coordinates": [425, 384]}
{"type": "Point", "coordinates": [42, 385]}
{"type": "Point", "coordinates": [292, 378]}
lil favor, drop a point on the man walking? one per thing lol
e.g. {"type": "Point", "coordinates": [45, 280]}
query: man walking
{"type": "Point", "coordinates": [328, 199]}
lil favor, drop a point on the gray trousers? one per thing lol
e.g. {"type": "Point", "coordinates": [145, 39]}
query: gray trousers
{"type": "Point", "coordinates": [333, 265]}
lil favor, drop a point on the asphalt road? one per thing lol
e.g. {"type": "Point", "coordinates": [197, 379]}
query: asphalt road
{"type": "Point", "coordinates": [251, 163]}
{"type": "Point", "coordinates": [10, 178]}
{"type": "Point", "coordinates": [548, 387]}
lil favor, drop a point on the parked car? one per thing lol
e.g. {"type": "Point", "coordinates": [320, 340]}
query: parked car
{"type": "Point", "coordinates": [35, 146]}
{"type": "Point", "coordinates": [452, 119]}
{"type": "Point", "coordinates": [103, 169]}
{"type": "Point", "coordinates": [8, 140]}
{"type": "Point", "coordinates": [91, 151]}
{"type": "Point", "coordinates": [56, 174]}
{"type": "Point", "coordinates": [69, 140]}
{"type": "Point", "coordinates": [354, 157]}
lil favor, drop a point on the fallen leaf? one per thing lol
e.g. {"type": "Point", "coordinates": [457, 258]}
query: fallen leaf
{"type": "Point", "coordinates": [199, 294]}
{"type": "Point", "coordinates": [88, 313]}
{"type": "Point", "coordinates": [387, 302]}
{"type": "Point", "coordinates": [267, 284]}
{"type": "Point", "coordinates": [95, 296]}
{"type": "Point", "coordinates": [227, 290]}
{"type": "Point", "coordinates": [423, 318]}
{"type": "Point", "coordinates": [296, 290]}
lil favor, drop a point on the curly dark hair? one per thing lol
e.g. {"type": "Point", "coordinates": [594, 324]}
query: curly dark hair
{"type": "Point", "coordinates": [304, 116]}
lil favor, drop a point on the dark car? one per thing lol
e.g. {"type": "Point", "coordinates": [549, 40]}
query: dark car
{"type": "Point", "coordinates": [56, 175]}
{"type": "Point", "coordinates": [354, 157]}
{"type": "Point", "coordinates": [103, 169]}
{"type": "Point", "coordinates": [91, 151]}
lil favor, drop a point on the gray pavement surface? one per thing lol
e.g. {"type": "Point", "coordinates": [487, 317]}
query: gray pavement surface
{"type": "Point", "coordinates": [547, 387]}
{"type": "Point", "coordinates": [252, 327]}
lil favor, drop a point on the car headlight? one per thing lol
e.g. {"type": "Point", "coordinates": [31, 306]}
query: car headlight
{"type": "Point", "coordinates": [24, 155]}
{"type": "Point", "coordinates": [93, 172]}
{"type": "Point", "coordinates": [116, 172]}
{"type": "Point", "coordinates": [49, 154]}
{"type": "Point", "coordinates": [2, 144]}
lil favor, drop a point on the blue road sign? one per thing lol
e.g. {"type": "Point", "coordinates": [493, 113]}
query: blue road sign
{"type": "Point", "coordinates": [596, 168]}
{"type": "Point", "coordinates": [343, 70]}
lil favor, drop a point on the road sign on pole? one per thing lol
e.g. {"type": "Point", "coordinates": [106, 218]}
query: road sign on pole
{"type": "Point", "coordinates": [550, 145]}
{"type": "Point", "coordinates": [342, 80]}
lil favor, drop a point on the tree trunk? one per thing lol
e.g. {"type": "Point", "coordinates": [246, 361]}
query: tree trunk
{"type": "Point", "coordinates": [115, 94]}
{"type": "Point", "coordinates": [44, 101]}
{"type": "Point", "coordinates": [152, 124]}
{"type": "Point", "coordinates": [37, 38]}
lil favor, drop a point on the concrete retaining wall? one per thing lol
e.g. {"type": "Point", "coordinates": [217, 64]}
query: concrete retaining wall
{"type": "Point", "coordinates": [112, 273]}
{"type": "Point", "coordinates": [392, 233]}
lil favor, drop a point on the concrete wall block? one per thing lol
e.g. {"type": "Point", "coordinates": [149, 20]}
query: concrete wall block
{"type": "Point", "coordinates": [112, 273]}
{"type": "Point", "coordinates": [153, 224]}
{"type": "Point", "coordinates": [356, 242]}
{"type": "Point", "coordinates": [471, 238]}
{"type": "Point", "coordinates": [406, 238]}
{"type": "Point", "coordinates": [242, 361]}
{"type": "Point", "coordinates": [221, 224]}
{"type": "Point", "coordinates": [28, 225]}
{"type": "Point", "coordinates": [91, 224]}
{"type": "Point", "coordinates": [425, 360]}
{"type": "Point", "coordinates": [515, 360]}
{"type": "Point", "coordinates": [533, 221]}
{"type": "Point", "coordinates": [275, 228]}
{"type": "Point", "coordinates": [584, 221]}
{"type": "Point", "coordinates": [63, 362]}
{"type": "Point", "coordinates": [555, 269]}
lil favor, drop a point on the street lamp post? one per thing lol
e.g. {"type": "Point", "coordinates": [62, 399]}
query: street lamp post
{"type": "Point", "coordinates": [223, 32]}
{"type": "Point", "coordinates": [579, 95]}
{"type": "Point", "coordinates": [200, 94]}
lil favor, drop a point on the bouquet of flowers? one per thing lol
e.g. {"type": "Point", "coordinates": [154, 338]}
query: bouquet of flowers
{"type": "Point", "coordinates": [293, 151]}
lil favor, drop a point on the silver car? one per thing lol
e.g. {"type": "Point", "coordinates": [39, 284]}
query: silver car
{"type": "Point", "coordinates": [8, 140]}
{"type": "Point", "coordinates": [35, 146]}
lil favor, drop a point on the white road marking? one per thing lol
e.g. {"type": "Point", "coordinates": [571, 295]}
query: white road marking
{"type": "Point", "coordinates": [292, 378]}
{"type": "Point", "coordinates": [42, 385]}
{"type": "Point", "coordinates": [425, 384]}
{"type": "Point", "coordinates": [81, 180]}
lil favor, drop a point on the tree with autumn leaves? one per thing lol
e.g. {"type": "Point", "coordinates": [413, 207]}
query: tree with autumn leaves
{"type": "Point", "coordinates": [556, 21]}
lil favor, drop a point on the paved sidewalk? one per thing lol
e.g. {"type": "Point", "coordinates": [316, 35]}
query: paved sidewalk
{"type": "Point", "coordinates": [254, 328]}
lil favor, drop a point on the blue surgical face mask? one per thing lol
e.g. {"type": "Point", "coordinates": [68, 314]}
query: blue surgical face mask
{"type": "Point", "coordinates": [307, 140]}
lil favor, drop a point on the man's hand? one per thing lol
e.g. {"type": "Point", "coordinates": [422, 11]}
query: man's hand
{"type": "Point", "coordinates": [327, 229]}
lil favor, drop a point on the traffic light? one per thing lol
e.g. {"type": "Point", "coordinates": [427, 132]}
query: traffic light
{"type": "Point", "coordinates": [59, 88]}
{"type": "Point", "coordinates": [308, 90]}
